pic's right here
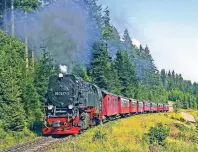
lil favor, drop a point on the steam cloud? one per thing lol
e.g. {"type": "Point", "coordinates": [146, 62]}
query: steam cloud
{"type": "Point", "coordinates": [63, 68]}
{"type": "Point", "coordinates": [66, 28]}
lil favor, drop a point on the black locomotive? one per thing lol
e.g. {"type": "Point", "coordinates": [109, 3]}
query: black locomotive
{"type": "Point", "coordinates": [68, 96]}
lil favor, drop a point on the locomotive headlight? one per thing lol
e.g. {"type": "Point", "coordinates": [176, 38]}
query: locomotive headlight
{"type": "Point", "coordinates": [50, 107]}
{"type": "Point", "coordinates": [60, 75]}
{"type": "Point", "coordinates": [70, 106]}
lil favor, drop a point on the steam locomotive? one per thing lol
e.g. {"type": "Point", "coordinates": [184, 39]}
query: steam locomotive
{"type": "Point", "coordinates": [73, 105]}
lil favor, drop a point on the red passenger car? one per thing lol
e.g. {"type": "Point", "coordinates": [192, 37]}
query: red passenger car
{"type": "Point", "coordinates": [166, 107]}
{"type": "Point", "coordinates": [133, 106]}
{"type": "Point", "coordinates": [140, 107]}
{"type": "Point", "coordinates": [159, 107]}
{"type": "Point", "coordinates": [124, 105]}
{"type": "Point", "coordinates": [147, 106]}
{"type": "Point", "coordinates": [110, 104]}
{"type": "Point", "coordinates": [153, 107]}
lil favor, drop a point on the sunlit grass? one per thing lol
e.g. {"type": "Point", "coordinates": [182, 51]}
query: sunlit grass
{"type": "Point", "coordinates": [128, 135]}
{"type": "Point", "coordinates": [11, 139]}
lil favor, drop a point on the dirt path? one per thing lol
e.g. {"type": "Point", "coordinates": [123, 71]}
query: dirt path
{"type": "Point", "coordinates": [170, 106]}
{"type": "Point", "coordinates": [188, 117]}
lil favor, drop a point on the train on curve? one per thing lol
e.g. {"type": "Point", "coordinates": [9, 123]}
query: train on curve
{"type": "Point", "coordinates": [73, 105]}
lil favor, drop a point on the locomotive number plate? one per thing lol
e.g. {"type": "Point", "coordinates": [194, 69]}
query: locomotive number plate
{"type": "Point", "coordinates": [61, 93]}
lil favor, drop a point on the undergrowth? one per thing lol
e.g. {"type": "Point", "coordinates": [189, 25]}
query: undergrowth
{"type": "Point", "coordinates": [8, 139]}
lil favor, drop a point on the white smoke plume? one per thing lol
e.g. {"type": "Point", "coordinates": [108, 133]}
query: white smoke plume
{"type": "Point", "coordinates": [136, 43]}
{"type": "Point", "coordinates": [63, 68]}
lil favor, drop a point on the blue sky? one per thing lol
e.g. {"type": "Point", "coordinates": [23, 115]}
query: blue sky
{"type": "Point", "coordinates": [169, 27]}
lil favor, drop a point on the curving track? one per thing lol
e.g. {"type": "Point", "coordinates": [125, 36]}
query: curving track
{"type": "Point", "coordinates": [34, 146]}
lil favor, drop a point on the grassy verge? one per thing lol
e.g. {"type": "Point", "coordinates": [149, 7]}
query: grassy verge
{"type": "Point", "coordinates": [11, 139]}
{"type": "Point", "coordinates": [130, 134]}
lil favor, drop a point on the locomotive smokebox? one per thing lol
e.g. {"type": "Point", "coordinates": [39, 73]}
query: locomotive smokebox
{"type": "Point", "coordinates": [62, 90]}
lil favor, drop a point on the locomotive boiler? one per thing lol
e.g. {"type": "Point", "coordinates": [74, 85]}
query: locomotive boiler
{"type": "Point", "coordinates": [72, 105]}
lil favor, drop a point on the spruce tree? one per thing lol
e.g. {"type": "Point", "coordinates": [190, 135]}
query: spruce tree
{"type": "Point", "coordinates": [128, 43]}
{"type": "Point", "coordinates": [163, 77]}
{"type": "Point", "coordinates": [126, 74]}
{"type": "Point", "coordinates": [100, 64]}
{"type": "Point", "coordinates": [147, 51]}
{"type": "Point", "coordinates": [95, 11]}
{"type": "Point", "coordinates": [107, 32]}
{"type": "Point", "coordinates": [11, 66]}
{"type": "Point", "coordinates": [30, 96]}
{"type": "Point", "coordinates": [81, 71]}
{"type": "Point", "coordinates": [44, 69]}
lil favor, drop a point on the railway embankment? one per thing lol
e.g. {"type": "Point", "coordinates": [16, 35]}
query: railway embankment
{"type": "Point", "coordinates": [133, 134]}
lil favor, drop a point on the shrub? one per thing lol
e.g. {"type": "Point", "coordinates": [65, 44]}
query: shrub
{"type": "Point", "coordinates": [177, 106]}
{"type": "Point", "coordinates": [158, 134]}
{"type": "Point", "coordinates": [176, 116]}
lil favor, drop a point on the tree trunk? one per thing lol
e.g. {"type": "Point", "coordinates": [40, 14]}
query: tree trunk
{"type": "Point", "coordinates": [12, 18]}
{"type": "Point", "coordinates": [26, 41]}
{"type": "Point", "coordinates": [33, 57]}
{"type": "Point", "coordinates": [5, 16]}
{"type": "Point", "coordinates": [26, 51]}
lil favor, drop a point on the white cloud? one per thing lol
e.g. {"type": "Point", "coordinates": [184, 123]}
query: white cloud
{"type": "Point", "coordinates": [174, 47]}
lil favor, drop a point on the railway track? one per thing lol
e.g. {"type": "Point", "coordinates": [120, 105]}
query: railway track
{"type": "Point", "coordinates": [37, 145]}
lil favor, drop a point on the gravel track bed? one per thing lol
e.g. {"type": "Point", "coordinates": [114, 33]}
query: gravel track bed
{"type": "Point", "coordinates": [34, 146]}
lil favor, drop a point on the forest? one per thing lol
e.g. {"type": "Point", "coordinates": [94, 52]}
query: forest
{"type": "Point", "coordinates": [104, 58]}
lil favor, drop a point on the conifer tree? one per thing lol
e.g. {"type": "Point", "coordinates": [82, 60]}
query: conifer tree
{"type": "Point", "coordinates": [163, 77]}
{"type": "Point", "coordinates": [81, 71]}
{"type": "Point", "coordinates": [100, 65]}
{"type": "Point", "coordinates": [126, 74]}
{"type": "Point", "coordinates": [128, 43]}
{"type": "Point", "coordinates": [107, 32]}
{"type": "Point", "coordinates": [11, 66]}
{"type": "Point", "coordinates": [147, 51]}
{"type": "Point", "coordinates": [116, 86]}
{"type": "Point", "coordinates": [95, 11]}
{"type": "Point", "coordinates": [44, 69]}
{"type": "Point", "coordinates": [30, 96]}
{"type": "Point", "coordinates": [169, 73]}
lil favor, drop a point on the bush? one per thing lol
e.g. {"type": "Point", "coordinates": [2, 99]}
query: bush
{"type": "Point", "coordinates": [176, 116]}
{"type": "Point", "coordinates": [158, 134]}
{"type": "Point", "coordinates": [177, 106]}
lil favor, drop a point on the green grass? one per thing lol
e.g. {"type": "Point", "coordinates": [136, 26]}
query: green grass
{"type": "Point", "coordinates": [11, 139]}
{"type": "Point", "coordinates": [130, 134]}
